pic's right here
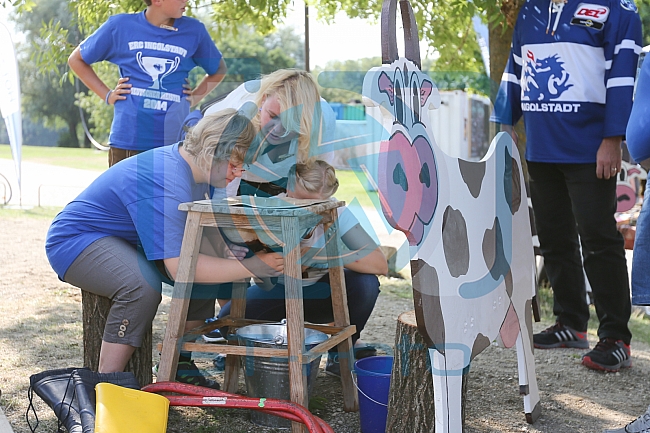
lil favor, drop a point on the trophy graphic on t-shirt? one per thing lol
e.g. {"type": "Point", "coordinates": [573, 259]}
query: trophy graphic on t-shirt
{"type": "Point", "coordinates": [157, 68]}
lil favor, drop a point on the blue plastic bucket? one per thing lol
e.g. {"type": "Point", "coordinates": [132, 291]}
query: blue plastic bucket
{"type": "Point", "coordinates": [373, 383]}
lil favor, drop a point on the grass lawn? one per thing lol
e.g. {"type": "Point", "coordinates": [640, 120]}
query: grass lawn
{"type": "Point", "coordinates": [350, 188]}
{"type": "Point", "coordinates": [85, 159]}
{"type": "Point", "coordinates": [47, 212]}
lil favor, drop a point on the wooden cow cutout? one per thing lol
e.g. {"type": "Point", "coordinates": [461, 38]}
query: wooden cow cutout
{"type": "Point", "coordinates": [467, 224]}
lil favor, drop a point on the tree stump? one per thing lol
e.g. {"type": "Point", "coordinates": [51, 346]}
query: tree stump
{"type": "Point", "coordinates": [410, 400]}
{"type": "Point", "coordinates": [94, 312]}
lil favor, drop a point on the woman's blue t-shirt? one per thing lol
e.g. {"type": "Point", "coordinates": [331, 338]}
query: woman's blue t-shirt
{"type": "Point", "coordinates": [137, 199]}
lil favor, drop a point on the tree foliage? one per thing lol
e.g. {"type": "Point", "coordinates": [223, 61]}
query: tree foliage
{"type": "Point", "coordinates": [342, 81]}
{"type": "Point", "coordinates": [644, 12]}
{"type": "Point", "coordinates": [99, 115]}
{"type": "Point", "coordinates": [250, 54]}
{"type": "Point", "coordinates": [45, 98]}
{"type": "Point", "coordinates": [444, 24]}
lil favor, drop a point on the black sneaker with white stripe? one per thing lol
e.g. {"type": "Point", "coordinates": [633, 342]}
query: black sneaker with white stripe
{"type": "Point", "coordinates": [560, 335]}
{"type": "Point", "coordinates": [609, 354]}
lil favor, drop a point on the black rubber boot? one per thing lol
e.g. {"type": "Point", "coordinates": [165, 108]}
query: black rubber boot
{"type": "Point", "coordinates": [70, 392]}
{"type": "Point", "coordinates": [56, 388]}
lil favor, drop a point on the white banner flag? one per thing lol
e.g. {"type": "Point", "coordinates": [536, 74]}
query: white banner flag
{"type": "Point", "coordinates": [483, 40]}
{"type": "Point", "coordinates": [10, 97]}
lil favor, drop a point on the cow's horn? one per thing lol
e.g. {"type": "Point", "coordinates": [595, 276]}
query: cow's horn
{"type": "Point", "coordinates": [389, 51]}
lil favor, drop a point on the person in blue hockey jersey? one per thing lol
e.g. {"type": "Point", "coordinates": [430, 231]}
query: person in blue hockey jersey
{"type": "Point", "coordinates": [571, 76]}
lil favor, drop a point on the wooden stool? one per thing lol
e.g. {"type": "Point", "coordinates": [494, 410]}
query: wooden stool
{"type": "Point", "coordinates": [276, 221]}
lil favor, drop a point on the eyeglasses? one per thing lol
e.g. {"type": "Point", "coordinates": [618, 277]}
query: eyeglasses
{"type": "Point", "coordinates": [235, 170]}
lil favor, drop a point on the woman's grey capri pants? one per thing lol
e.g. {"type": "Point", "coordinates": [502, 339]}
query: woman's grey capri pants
{"type": "Point", "coordinates": [114, 268]}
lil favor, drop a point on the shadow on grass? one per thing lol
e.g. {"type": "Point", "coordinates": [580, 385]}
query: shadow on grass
{"type": "Point", "coordinates": [52, 338]}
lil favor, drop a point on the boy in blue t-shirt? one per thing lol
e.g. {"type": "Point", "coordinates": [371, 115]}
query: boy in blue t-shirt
{"type": "Point", "coordinates": [155, 50]}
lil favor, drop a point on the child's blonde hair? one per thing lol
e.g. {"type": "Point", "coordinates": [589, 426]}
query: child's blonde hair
{"type": "Point", "coordinates": [299, 99]}
{"type": "Point", "coordinates": [315, 176]}
{"type": "Point", "coordinates": [221, 136]}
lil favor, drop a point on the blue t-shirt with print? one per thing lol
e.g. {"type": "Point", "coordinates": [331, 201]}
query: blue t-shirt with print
{"type": "Point", "coordinates": [157, 61]}
{"type": "Point", "coordinates": [137, 199]}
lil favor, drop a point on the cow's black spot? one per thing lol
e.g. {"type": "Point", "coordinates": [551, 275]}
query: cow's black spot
{"type": "Point", "coordinates": [493, 251]}
{"type": "Point", "coordinates": [473, 174]}
{"type": "Point", "coordinates": [455, 242]}
{"type": "Point", "coordinates": [426, 299]}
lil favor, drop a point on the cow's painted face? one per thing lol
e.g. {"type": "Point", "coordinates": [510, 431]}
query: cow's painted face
{"type": "Point", "coordinates": [408, 176]}
{"type": "Point", "coordinates": [410, 188]}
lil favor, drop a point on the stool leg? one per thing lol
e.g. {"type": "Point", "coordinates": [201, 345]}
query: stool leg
{"type": "Point", "coordinates": [295, 315]}
{"type": "Point", "coordinates": [237, 310]}
{"type": "Point", "coordinates": [180, 298]}
{"type": "Point", "coordinates": [341, 314]}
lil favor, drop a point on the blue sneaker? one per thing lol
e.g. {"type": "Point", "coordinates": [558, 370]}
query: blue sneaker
{"type": "Point", "coordinates": [188, 372]}
{"type": "Point", "coordinates": [219, 362]}
{"type": "Point", "coordinates": [213, 336]}
{"type": "Point", "coordinates": [333, 368]}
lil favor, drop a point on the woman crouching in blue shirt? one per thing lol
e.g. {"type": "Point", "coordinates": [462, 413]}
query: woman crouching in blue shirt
{"type": "Point", "coordinates": [121, 237]}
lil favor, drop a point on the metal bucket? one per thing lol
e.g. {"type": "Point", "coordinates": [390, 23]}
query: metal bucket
{"type": "Point", "coordinates": [269, 377]}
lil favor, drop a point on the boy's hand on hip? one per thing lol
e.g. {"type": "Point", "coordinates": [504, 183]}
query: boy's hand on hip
{"type": "Point", "coordinates": [122, 88]}
{"type": "Point", "coordinates": [187, 89]}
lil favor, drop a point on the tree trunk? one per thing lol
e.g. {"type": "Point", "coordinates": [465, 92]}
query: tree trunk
{"type": "Point", "coordinates": [95, 311]}
{"type": "Point", "coordinates": [410, 400]}
{"type": "Point", "coordinates": [500, 42]}
{"type": "Point", "coordinates": [72, 129]}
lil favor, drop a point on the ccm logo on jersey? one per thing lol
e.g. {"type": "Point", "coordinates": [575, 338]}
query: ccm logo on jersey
{"type": "Point", "coordinates": [590, 15]}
